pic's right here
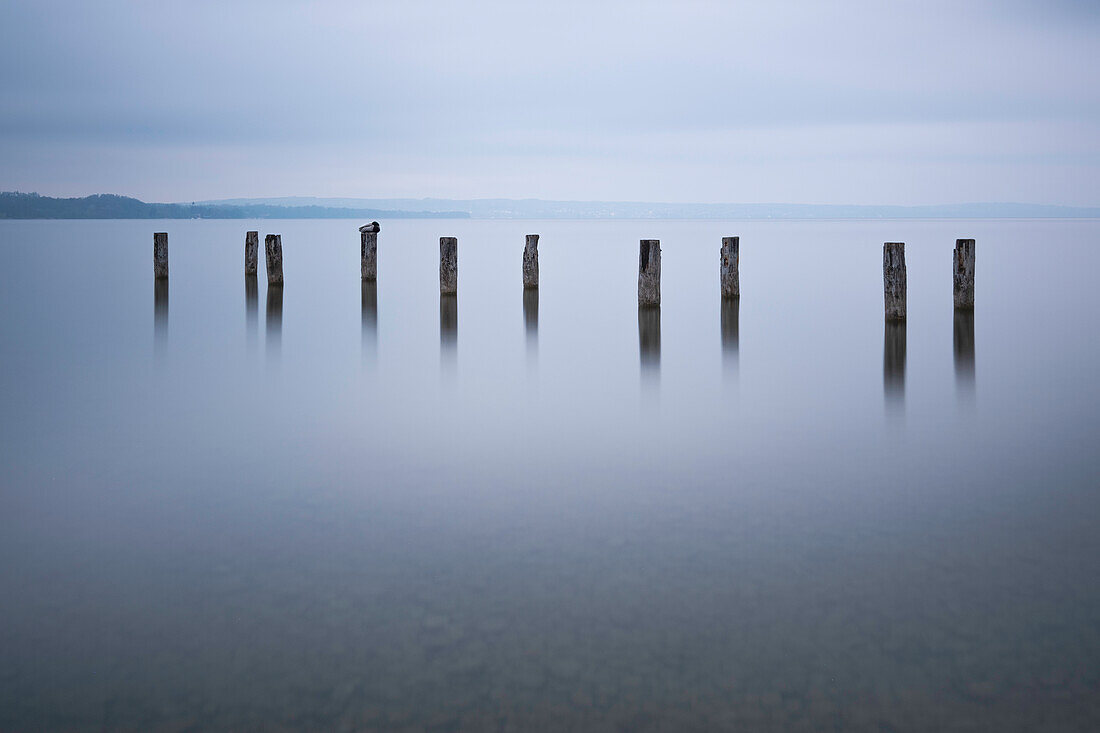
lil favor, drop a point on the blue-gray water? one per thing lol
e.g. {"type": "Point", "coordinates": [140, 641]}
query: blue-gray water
{"type": "Point", "coordinates": [328, 508]}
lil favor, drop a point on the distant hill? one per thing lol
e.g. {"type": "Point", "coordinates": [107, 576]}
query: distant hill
{"type": "Point", "coordinates": [15, 205]}
{"type": "Point", "coordinates": [106, 206]}
{"type": "Point", "coordinates": [539, 209]}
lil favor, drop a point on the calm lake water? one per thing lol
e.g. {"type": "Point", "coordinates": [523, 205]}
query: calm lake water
{"type": "Point", "coordinates": [331, 507]}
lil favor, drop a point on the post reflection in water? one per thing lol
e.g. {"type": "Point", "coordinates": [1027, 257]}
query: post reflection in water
{"type": "Point", "coordinates": [370, 317]}
{"type": "Point", "coordinates": [649, 340]}
{"type": "Point", "coordinates": [274, 319]}
{"type": "Point", "coordinates": [893, 362]}
{"type": "Point", "coordinates": [160, 315]}
{"type": "Point", "coordinates": [964, 351]}
{"type": "Point", "coordinates": [531, 320]}
{"type": "Point", "coordinates": [731, 308]}
{"type": "Point", "coordinates": [448, 329]}
{"type": "Point", "coordinates": [251, 310]}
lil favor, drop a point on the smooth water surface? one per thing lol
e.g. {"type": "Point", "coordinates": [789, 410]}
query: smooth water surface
{"type": "Point", "coordinates": [330, 505]}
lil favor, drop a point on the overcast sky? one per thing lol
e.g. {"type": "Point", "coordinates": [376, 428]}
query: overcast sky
{"type": "Point", "coordinates": [863, 103]}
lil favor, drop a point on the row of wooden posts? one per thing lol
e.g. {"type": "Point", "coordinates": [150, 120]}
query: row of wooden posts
{"type": "Point", "coordinates": [649, 266]}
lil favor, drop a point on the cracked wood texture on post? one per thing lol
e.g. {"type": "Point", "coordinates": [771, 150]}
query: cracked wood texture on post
{"type": "Point", "coordinates": [273, 247]}
{"type": "Point", "coordinates": [649, 272]}
{"type": "Point", "coordinates": [448, 265]}
{"type": "Point", "coordinates": [963, 273]}
{"type": "Point", "coordinates": [731, 285]}
{"type": "Point", "coordinates": [531, 261]}
{"type": "Point", "coordinates": [893, 280]}
{"type": "Point", "coordinates": [160, 255]}
{"type": "Point", "coordinates": [251, 252]}
{"type": "Point", "coordinates": [368, 250]}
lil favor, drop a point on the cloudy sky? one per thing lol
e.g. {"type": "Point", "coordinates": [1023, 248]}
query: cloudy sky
{"type": "Point", "coordinates": [863, 103]}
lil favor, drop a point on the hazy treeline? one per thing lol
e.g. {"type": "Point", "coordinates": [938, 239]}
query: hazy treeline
{"type": "Point", "coordinates": [15, 205]}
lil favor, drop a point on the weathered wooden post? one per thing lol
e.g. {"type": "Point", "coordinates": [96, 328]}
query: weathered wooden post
{"type": "Point", "coordinates": [273, 247]}
{"type": "Point", "coordinates": [649, 273]}
{"type": "Point", "coordinates": [251, 252]}
{"type": "Point", "coordinates": [731, 286]}
{"type": "Point", "coordinates": [893, 280]}
{"type": "Point", "coordinates": [448, 265]}
{"type": "Point", "coordinates": [160, 255]}
{"type": "Point", "coordinates": [964, 274]}
{"type": "Point", "coordinates": [368, 250]}
{"type": "Point", "coordinates": [531, 262]}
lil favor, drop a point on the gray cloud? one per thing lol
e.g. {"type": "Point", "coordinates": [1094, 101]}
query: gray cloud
{"type": "Point", "coordinates": [419, 99]}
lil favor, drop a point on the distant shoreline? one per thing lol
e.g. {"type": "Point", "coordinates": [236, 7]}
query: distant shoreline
{"type": "Point", "coordinates": [22, 206]}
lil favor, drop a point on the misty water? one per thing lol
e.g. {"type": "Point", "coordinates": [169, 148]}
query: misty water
{"type": "Point", "coordinates": [331, 506]}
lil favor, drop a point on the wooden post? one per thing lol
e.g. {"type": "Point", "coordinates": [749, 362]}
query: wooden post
{"type": "Point", "coordinates": [531, 261]}
{"type": "Point", "coordinates": [893, 280]}
{"type": "Point", "coordinates": [251, 252]}
{"type": "Point", "coordinates": [731, 286]}
{"type": "Point", "coordinates": [368, 250]}
{"type": "Point", "coordinates": [160, 255]}
{"type": "Point", "coordinates": [448, 265]}
{"type": "Point", "coordinates": [964, 274]}
{"type": "Point", "coordinates": [649, 273]}
{"type": "Point", "coordinates": [273, 246]}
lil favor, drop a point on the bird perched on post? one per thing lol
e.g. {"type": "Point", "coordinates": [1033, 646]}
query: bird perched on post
{"type": "Point", "coordinates": [372, 227]}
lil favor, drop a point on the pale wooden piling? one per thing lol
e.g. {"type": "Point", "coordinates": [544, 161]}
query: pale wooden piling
{"type": "Point", "coordinates": [731, 285]}
{"type": "Point", "coordinates": [368, 250]}
{"type": "Point", "coordinates": [531, 261]}
{"type": "Point", "coordinates": [893, 280]}
{"type": "Point", "coordinates": [273, 247]}
{"type": "Point", "coordinates": [448, 265]}
{"type": "Point", "coordinates": [160, 255]}
{"type": "Point", "coordinates": [251, 252]}
{"type": "Point", "coordinates": [649, 272]}
{"type": "Point", "coordinates": [963, 274]}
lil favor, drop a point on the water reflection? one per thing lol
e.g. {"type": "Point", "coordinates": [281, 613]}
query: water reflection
{"type": "Point", "coordinates": [731, 308]}
{"type": "Point", "coordinates": [964, 351]}
{"type": "Point", "coordinates": [370, 316]}
{"type": "Point", "coordinates": [160, 315]}
{"type": "Point", "coordinates": [274, 320]}
{"type": "Point", "coordinates": [531, 320]}
{"type": "Point", "coordinates": [448, 329]}
{"type": "Point", "coordinates": [251, 310]}
{"type": "Point", "coordinates": [649, 339]}
{"type": "Point", "coordinates": [893, 362]}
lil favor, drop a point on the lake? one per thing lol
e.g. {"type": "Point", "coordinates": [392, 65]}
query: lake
{"type": "Point", "coordinates": [341, 507]}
